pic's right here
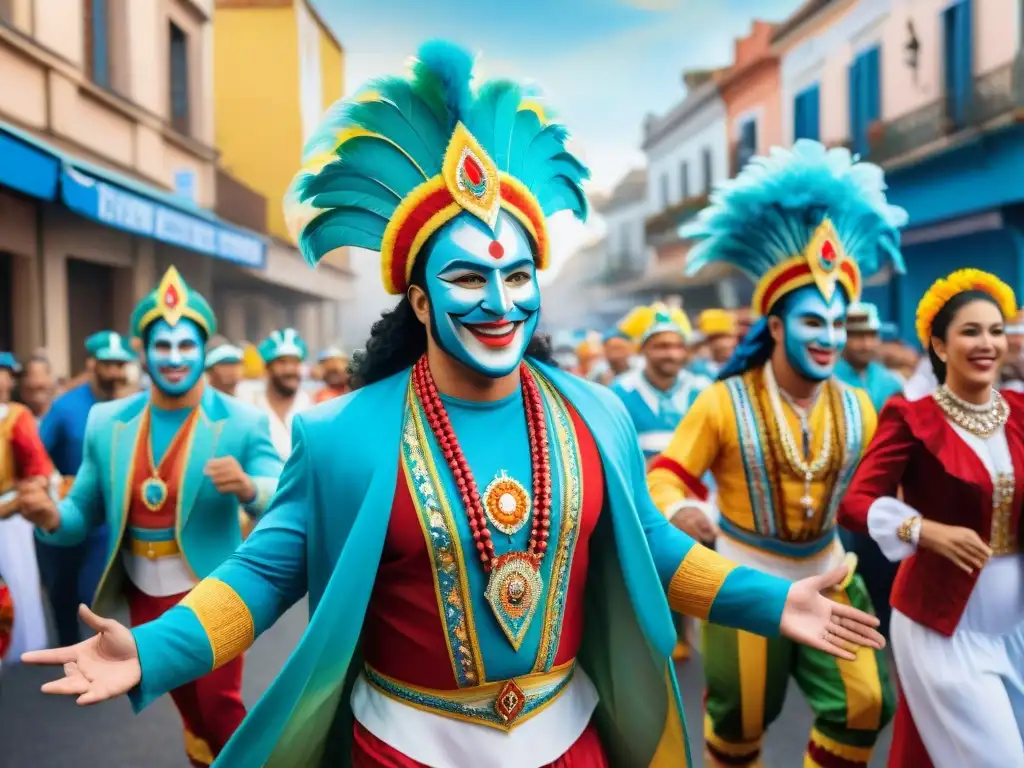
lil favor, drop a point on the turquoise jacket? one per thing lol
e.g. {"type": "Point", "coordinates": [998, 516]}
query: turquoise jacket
{"type": "Point", "coordinates": [878, 381]}
{"type": "Point", "coordinates": [324, 534]}
{"type": "Point", "coordinates": [207, 527]}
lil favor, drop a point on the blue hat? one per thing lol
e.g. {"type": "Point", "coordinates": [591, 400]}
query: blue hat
{"type": "Point", "coordinates": [284, 343]}
{"type": "Point", "coordinates": [224, 353]}
{"type": "Point", "coordinates": [109, 347]}
{"type": "Point", "coordinates": [8, 362]}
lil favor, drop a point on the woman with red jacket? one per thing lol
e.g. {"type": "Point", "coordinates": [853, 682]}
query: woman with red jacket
{"type": "Point", "coordinates": [958, 600]}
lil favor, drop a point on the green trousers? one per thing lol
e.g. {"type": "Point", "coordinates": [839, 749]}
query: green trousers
{"type": "Point", "coordinates": [747, 677]}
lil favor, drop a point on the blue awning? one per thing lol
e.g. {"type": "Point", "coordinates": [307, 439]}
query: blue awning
{"type": "Point", "coordinates": [27, 168]}
{"type": "Point", "coordinates": [121, 202]}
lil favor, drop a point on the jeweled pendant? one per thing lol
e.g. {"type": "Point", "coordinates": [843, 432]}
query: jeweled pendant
{"type": "Point", "coordinates": [514, 591]}
{"type": "Point", "coordinates": [506, 504]}
{"type": "Point", "coordinates": [154, 494]}
{"type": "Point", "coordinates": [807, 502]}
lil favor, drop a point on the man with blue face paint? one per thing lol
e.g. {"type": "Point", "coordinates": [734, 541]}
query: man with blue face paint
{"type": "Point", "coordinates": [782, 436]}
{"type": "Point", "coordinates": [487, 575]}
{"type": "Point", "coordinates": [166, 471]}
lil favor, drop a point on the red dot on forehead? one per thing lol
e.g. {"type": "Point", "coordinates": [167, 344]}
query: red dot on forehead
{"type": "Point", "coordinates": [496, 249]}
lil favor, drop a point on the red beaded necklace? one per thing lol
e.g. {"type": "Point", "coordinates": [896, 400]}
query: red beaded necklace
{"type": "Point", "coordinates": [540, 459]}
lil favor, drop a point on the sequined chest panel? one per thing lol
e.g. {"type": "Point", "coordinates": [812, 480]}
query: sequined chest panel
{"type": "Point", "coordinates": [437, 508]}
{"type": "Point", "coordinates": [765, 463]}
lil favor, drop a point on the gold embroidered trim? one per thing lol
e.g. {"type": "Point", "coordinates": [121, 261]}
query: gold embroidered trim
{"type": "Point", "coordinates": [695, 585]}
{"type": "Point", "coordinates": [1002, 539]}
{"type": "Point", "coordinates": [905, 532]}
{"type": "Point", "coordinates": [225, 618]}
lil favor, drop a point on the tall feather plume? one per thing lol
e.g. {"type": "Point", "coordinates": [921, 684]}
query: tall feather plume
{"type": "Point", "coordinates": [769, 212]}
{"type": "Point", "coordinates": [372, 150]}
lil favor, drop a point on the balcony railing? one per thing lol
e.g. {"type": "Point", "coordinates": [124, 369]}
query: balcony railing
{"type": "Point", "coordinates": [662, 226]}
{"type": "Point", "coordinates": [995, 94]}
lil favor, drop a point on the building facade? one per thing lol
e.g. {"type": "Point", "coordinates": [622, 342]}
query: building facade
{"type": "Point", "coordinates": [932, 90]}
{"type": "Point", "coordinates": [277, 68]}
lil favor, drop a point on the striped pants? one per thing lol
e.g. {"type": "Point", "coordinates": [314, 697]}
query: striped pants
{"type": "Point", "coordinates": [747, 677]}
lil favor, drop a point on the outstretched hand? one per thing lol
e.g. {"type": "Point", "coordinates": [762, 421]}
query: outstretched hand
{"type": "Point", "coordinates": [812, 619]}
{"type": "Point", "coordinates": [103, 667]}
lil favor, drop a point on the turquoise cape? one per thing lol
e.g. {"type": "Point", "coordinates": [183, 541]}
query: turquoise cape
{"type": "Point", "coordinates": [325, 532]}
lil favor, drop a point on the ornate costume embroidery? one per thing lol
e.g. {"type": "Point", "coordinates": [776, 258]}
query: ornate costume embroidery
{"type": "Point", "coordinates": [445, 550]}
{"type": "Point", "coordinates": [569, 472]}
{"type": "Point", "coordinates": [507, 504]}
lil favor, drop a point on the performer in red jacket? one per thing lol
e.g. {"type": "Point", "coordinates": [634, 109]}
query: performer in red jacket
{"type": "Point", "coordinates": [958, 600]}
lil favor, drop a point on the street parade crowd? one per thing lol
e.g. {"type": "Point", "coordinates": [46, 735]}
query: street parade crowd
{"type": "Point", "coordinates": [507, 540]}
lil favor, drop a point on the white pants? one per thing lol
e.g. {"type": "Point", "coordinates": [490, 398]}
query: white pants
{"type": "Point", "coordinates": [966, 693]}
{"type": "Point", "coordinates": [19, 569]}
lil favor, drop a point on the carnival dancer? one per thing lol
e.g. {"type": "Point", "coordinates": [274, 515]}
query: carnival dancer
{"type": "Point", "coordinates": [719, 330]}
{"type": "Point", "coordinates": [619, 356]}
{"type": "Point", "coordinates": [658, 395]}
{"type": "Point", "coordinates": [223, 365]}
{"type": "Point", "coordinates": [22, 458]}
{"type": "Point", "coordinates": [958, 456]}
{"type": "Point", "coordinates": [283, 353]}
{"type": "Point", "coordinates": [334, 364]}
{"type": "Point", "coordinates": [71, 574]}
{"type": "Point", "coordinates": [448, 516]}
{"type": "Point", "coordinates": [782, 437]}
{"type": "Point", "coordinates": [166, 470]}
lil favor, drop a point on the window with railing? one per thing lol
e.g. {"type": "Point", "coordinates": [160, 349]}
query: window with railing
{"type": "Point", "coordinates": [807, 114]}
{"type": "Point", "coordinates": [958, 60]}
{"type": "Point", "coordinates": [181, 116]}
{"type": "Point", "coordinates": [865, 97]}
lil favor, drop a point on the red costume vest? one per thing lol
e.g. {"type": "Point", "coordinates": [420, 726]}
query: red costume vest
{"type": "Point", "coordinates": [153, 505]}
{"type": "Point", "coordinates": [917, 450]}
{"type": "Point", "coordinates": [403, 635]}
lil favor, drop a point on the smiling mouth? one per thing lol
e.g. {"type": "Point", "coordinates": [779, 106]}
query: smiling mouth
{"type": "Point", "coordinates": [174, 373]}
{"type": "Point", "coordinates": [499, 334]}
{"type": "Point", "coordinates": [982, 362]}
{"type": "Point", "coordinates": [821, 356]}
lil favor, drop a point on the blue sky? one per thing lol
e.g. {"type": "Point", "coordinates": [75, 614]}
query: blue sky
{"type": "Point", "coordinates": [603, 64]}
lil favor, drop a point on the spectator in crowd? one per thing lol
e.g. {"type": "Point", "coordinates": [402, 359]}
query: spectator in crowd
{"type": "Point", "coordinates": [223, 365]}
{"type": "Point", "coordinates": [333, 363]}
{"type": "Point", "coordinates": [36, 386]}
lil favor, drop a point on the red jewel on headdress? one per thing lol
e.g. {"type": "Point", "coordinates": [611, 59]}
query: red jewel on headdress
{"type": "Point", "coordinates": [828, 253]}
{"type": "Point", "coordinates": [474, 173]}
{"type": "Point", "coordinates": [171, 297]}
{"type": "Point", "coordinates": [496, 249]}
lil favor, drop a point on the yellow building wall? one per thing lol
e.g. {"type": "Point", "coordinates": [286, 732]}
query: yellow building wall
{"type": "Point", "coordinates": [256, 94]}
{"type": "Point", "coordinates": [332, 69]}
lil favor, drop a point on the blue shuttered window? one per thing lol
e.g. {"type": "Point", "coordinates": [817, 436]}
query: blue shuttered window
{"type": "Point", "coordinates": [179, 79]}
{"type": "Point", "coordinates": [807, 114]}
{"type": "Point", "coordinates": [99, 33]}
{"type": "Point", "coordinates": [865, 97]}
{"type": "Point", "coordinates": [958, 60]}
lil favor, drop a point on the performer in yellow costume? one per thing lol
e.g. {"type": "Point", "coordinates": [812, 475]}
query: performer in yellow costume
{"type": "Point", "coordinates": [782, 437]}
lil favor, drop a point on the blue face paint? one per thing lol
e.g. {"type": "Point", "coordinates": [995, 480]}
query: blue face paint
{"type": "Point", "coordinates": [815, 332]}
{"type": "Point", "coordinates": [484, 298]}
{"type": "Point", "coordinates": [175, 356]}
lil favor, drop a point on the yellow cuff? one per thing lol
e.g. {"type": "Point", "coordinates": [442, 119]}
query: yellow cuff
{"type": "Point", "coordinates": [696, 583]}
{"type": "Point", "coordinates": [225, 618]}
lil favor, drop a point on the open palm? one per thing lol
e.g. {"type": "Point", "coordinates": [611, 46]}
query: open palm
{"type": "Point", "coordinates": [812, 619]}
{"type": "Point", "coordinates": [103, 667]}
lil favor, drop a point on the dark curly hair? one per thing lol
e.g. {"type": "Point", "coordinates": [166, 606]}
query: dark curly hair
{"type": "Point", "coordinates": [399, 339]}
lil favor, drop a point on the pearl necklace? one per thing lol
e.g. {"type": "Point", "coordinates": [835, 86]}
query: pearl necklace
{"type": "Point", "coordinates": [980, 420]}
{"type": "Point", "coordinates": [808, 470]}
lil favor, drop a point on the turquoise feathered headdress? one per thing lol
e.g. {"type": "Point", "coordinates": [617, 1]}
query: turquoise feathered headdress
{"type": "Point", "coordinates": [802, 216]}
{"type": "Point", "coordinates": [392, 165]}
{"type": "Point", "coordinates": [283, 343]}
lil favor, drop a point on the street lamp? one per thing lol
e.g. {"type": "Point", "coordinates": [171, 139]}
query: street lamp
{"type": "Point", "coordinates": [911, 49]}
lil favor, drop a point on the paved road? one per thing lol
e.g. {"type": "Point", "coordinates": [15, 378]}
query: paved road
{"type": "Point", "coordinates": [44, 732]}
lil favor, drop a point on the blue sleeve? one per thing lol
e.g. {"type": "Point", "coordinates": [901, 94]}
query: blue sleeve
{"type": "Point", "coordinates": [51, 428]}
{"type": "Point", "coordinates": [699, 582]}
{"type": "Point", "coordinates": [241, 599]}
{"type": "Point", "coordinates": [82, 509]}
{"type": "Point", "coordinates": [263, 465]}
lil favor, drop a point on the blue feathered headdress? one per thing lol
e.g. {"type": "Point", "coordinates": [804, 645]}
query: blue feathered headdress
{"type": "Point", "coordinates": [392, 165]}
{"type": "Point", "coordinates": [283, 343]}
{"type": "Point", "coordinates": [802, 216]}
